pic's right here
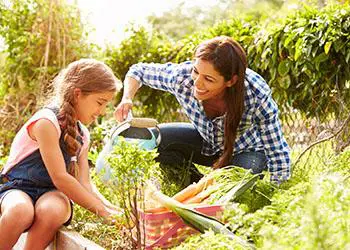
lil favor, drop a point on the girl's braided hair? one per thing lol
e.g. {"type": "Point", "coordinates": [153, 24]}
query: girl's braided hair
{"type": "Point", "coordinates": [90, 76]}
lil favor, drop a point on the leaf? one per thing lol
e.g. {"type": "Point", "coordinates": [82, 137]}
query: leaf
{"type": "Point", "coordinates": [347, 58]}
{"type": "Point", "coordinates": [238, 189]}
{"type": "Point", "coordinates": [283, 67]}
{"type": "Point", "coordinates": [298, 49]}
{"type": "Point", "coordinates": [327, 47]}
{"type": "Point", "coordinates": [284, 81]}
{"type": "Point", "coordinates": [319, 59]}
{"type": "Point", "coordinates": [287, 41]}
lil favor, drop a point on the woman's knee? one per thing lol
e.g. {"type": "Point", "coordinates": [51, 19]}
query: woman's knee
{"type": "Point", "coordinates": [256, 161]}
{"type": "Point", "coordinates": [179, 135]}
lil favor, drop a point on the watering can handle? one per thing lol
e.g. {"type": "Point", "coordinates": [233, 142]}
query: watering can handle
{"type": "Point", "coordinates": [146, 123]}
{"type": "Point", "coordinates": [143, 122]}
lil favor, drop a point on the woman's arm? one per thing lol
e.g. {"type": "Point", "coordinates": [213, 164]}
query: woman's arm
{"type": "Point", "coordinates": [275, 146]}
{"type": "Point", "coordinates": [155, 75]}
{"type": "Point", "coordinates": [131, 86]}
{"type": "Point", "coordinates": [45, 133]}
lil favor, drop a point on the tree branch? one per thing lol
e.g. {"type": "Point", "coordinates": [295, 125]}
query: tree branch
{"type": "Point", "coordinates": [342, 127]}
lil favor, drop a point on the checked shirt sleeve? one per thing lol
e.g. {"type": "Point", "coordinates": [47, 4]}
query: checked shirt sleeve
{"type": "Point", "coordinates": [160, 76]}
{"type": "Point", "coordinates": [275, 146]}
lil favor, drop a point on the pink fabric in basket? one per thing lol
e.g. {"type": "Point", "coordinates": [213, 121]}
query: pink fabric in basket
{"type": "Point", "coordinates": [166, 229]}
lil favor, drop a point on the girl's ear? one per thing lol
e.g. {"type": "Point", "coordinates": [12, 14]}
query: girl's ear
{"type": "Point", "coordinates": [77, 93]}
{"type": "Point", "coordinates": [232, 82]}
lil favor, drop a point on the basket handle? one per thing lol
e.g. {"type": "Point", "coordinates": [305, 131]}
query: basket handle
{"type": "Point", "coordinates": [143, 122]}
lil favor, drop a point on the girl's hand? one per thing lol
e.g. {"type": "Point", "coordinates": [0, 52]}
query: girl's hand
{"type": "Point", "coordinates": [112, 212]}
{"type": "Point", "coordinates": [113, 207]}
{"type": "Point", "coordinates": [122, 110]}
{"type": "Point", "coordinates": [113, 216]}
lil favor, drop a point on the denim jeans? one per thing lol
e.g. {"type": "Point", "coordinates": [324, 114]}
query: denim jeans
{"type": "Point", "coordinates": [181, 143]}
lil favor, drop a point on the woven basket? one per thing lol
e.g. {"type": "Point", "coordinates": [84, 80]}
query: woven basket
{"type": "Point", "coordinates": [166, 229]}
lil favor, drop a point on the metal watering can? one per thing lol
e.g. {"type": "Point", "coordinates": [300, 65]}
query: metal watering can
{"type": "Point", "coordinates": [136, 130]}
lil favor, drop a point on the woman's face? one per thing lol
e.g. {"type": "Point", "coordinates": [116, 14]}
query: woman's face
{"type": "Point", "coordinates": [208, 83]}
{"type": "Point", "coordinates": [89, 107]}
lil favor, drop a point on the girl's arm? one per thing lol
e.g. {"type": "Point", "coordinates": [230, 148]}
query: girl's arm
{"type": "Point", "coordinates": [85, 180]}
{"type": "Point", "coordinates": [45, 133]}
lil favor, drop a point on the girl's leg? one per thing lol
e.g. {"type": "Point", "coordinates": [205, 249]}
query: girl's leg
{"type": "Point", "coordinates": [256, 161]}
{"type": "Point", "coordinates": [17, 214]}
{"type": "Point", "coordinates": [52, 210]}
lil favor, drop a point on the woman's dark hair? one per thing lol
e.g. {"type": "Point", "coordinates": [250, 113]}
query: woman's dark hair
{"type": "Point", "coordinates": [229, 59]}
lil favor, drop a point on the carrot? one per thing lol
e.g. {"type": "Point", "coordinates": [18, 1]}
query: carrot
{"type": "Point", "coordinates": [156, 210]}
{"type": "Point", "coordinates": [186, 194]}
{"type": "Point", "coordinates": [193, 189]}
{"type": "Point", "coordinates": [201, 196]}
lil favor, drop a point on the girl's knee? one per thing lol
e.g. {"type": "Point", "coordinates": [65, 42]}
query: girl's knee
{"type": "Point", "coordinates": [53, 213]}
{"type": "Point", "coordinates": [20, 214]}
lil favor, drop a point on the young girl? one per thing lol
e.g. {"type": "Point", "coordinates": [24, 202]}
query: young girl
{"type": "Point", "coordinates": [234, 119]}
{"type": "Point", "coordinates": [47, 168]}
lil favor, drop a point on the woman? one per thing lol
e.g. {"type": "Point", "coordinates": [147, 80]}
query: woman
{"type": "Point", "coordinates": [234, 119]}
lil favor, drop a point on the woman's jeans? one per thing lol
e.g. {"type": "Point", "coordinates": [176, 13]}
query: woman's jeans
{"type": "Point", "coordinates": [181, 144]}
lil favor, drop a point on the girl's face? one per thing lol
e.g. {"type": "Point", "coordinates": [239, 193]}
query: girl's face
{"type": "Point", "coordinates": [89, 107]}
{"type": "Point", "coordinates": [208, 83]}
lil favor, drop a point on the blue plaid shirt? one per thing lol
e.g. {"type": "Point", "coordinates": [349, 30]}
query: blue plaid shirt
{"type": "Point", "coordinates": [259, 129]}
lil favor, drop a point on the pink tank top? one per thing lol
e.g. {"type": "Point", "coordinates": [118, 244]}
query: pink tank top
{"type": "Point", "coordinates": [23, 145]}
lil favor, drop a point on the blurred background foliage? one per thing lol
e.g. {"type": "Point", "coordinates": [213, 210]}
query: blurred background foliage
{"type": "Point", "coordinates": [40, 37]}
{"type": "Point", "coordinates": [301, 48]}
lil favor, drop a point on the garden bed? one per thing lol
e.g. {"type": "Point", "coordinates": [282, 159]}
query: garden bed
{"type": "Point", "coordinates": [65, 240]}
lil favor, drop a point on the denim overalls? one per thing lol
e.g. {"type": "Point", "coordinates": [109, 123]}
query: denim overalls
{"type": "Point", "coordinates": [31, 176]}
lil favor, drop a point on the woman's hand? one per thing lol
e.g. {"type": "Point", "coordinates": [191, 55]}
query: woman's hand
{"type": "Point", "coordinates": [122, 110]}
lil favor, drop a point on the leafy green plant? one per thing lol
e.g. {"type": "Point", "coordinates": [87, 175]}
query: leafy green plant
{"type": "Point", "coordinates": [110, 236]}
{"type": "Point", "coordinates": [305, 59]}
{"type": "Point", "coordinates": [131, 166]}
{"type": "Point", "coordinates": [40, 38]}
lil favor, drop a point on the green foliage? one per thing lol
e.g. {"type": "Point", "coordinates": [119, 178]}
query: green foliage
{"type": "Point", "coordinates": [40, 37]}
{"type": "Point", "coordinates": [305, 59]}
{"type": "Point", "coordinates": [319, 221]}
{"type": "Point", "coordinates": [210, 240]}
{"type": "Point", "coordinates": [3, 159]}
{"type": "Point", "coordinates": [255, 197]}
{"type": "Point", "coordinates": [143, 46]}
{"type": "Point", "coordinates": [131, 166]}
{"type": "Point", "coordinates": [35, 27]}
{"type": "Point", "coordinates": [183, 20]}
{"type": "Point", "coordinates": [92, 227]}
{"type": "Point", "coordinates": [98, 133]}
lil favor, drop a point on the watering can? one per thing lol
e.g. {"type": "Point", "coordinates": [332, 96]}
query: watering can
{"type": "Point", "coordinates": [134, 130]}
